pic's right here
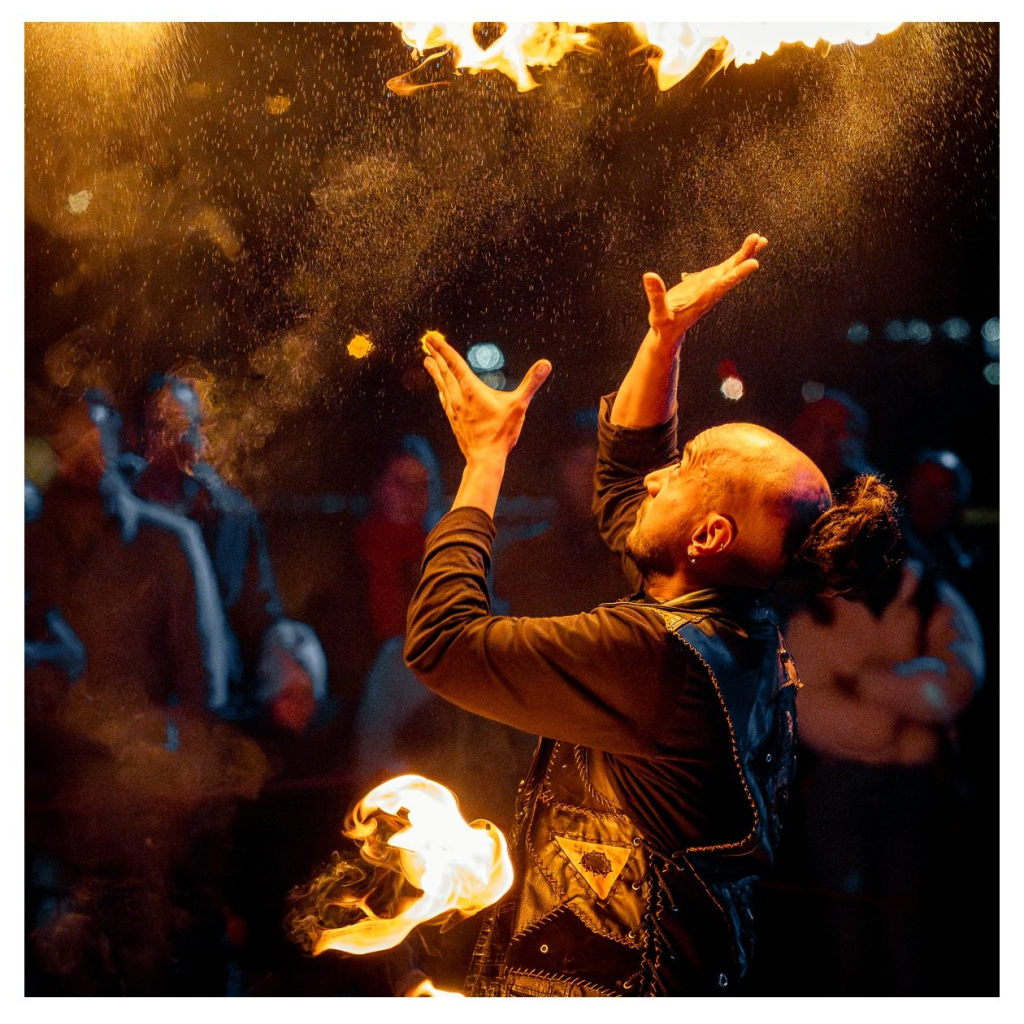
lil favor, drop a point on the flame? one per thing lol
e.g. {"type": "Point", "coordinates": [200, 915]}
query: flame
{"type": "Point", "coordinates": [419, 860]}
{"type": "Point", "coordinates": [681, 45]}
{"type": "Point", "coordinates": [521, 46]}
{"type": "Point", "coordinates": [427, 988]}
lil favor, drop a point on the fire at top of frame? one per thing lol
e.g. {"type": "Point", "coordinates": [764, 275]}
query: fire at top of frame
{"type": "Point", "coordinates": [678, 47]}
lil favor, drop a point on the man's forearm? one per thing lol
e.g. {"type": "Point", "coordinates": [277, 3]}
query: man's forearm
{"type": "Point", "coordinates": [647, 396]}
{"type": "Point", "coordinates": [480, 485]}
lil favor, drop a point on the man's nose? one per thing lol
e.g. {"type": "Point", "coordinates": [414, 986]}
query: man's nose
{"type": "Point", "coordinates": [655, 481]}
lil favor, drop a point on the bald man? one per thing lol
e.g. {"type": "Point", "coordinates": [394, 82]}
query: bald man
{"type": "Point", "coordinates": [668, 719]}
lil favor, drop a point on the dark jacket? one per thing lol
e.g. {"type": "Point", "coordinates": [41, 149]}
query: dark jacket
{"type": "Point", "coordinates": [654, 803]}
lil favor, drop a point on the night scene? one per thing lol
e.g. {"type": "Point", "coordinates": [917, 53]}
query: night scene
{"type": "Point", "coordinates": [511, 509]}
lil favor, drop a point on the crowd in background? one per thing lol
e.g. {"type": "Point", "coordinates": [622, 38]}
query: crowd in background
{"type": "Point", "coordinates": [209, 687]}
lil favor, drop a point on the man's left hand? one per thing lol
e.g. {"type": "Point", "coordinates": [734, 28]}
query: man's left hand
{"type": "Point", "coordinates": [486, 423]}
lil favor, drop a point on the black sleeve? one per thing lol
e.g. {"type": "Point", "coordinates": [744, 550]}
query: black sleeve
{"type": "Point", "coordinates": [625, 456]}
{"type": "Point", "coordinates": [607, 679]}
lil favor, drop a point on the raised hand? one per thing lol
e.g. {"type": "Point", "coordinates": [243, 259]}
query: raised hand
{"type": "Point", "coordinates": [486, 423]}
{"type": "Point", "coordinates": [675, 310]}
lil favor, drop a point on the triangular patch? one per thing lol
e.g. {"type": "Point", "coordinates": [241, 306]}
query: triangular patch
{"type": "Point", "coordinates": [598, 863]}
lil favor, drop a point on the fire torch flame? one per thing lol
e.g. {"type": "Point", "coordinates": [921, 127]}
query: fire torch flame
{"type": "Point", "coordinates": [680, 46]}
{"type": "Point", "coordinates": [419, 861]}
{"type": "Point", "coordinates": [521, 46]}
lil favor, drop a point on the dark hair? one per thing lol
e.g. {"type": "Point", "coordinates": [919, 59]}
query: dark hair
{"type": "Point", "coordinates": [850, 549]}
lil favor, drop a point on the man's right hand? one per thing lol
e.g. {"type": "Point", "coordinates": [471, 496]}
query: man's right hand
{"type": "Point", "coordinates": [675, 310]}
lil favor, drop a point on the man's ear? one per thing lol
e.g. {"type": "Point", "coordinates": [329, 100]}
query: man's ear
{"type": "Point", "coordinates": [714, 535]}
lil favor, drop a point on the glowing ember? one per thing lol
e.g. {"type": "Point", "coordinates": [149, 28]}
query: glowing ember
{"type": "Point", "coordinates": [430, 336]}
{"type": "Point", "coordinates": [681, 46]}
{"type": "Point", "coordinates": [419, 861]}
{"type": "Point", "coordinates": [360, 346]}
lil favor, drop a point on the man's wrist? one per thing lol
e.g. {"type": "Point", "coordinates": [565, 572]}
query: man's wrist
{"type": "Point", "coordinates": [481, 481]}
{"type": "Point", "coordinates": [663, 346]}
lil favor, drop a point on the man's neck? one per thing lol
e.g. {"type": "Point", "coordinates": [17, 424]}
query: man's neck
{"type": "Point", "coordinates": [667, 588]}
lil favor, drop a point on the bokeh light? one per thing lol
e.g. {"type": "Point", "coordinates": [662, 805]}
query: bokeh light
{"type": "Point", "coordinates": [991, 373]}
{"type": "Point", "coordinates": [919, 331]}
{"type": "Point", "coordinates": [78, 202]}
{"type": "Point", "coordinates": [494, 379]}
{"type": "Point", "coordinates": [812, 391]}
{"type": "Point", "coordinates": [732, 388]}
{"type": "Point", "coordinates": [956, 329]}
{"type": "Point", "coordinates": [990, 337]}
{"type": "Point", "coordinates": [485, 356]}
{"type": "Point", "coordinates": [360, 346]}
{"type": "Point", "coordinates": [896, 330]}
{"type": "Point", "coordinates": [858, 333]}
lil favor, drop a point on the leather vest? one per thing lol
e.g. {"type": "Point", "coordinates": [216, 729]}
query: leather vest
{"type": "Point", "coordinates": [599, 909]}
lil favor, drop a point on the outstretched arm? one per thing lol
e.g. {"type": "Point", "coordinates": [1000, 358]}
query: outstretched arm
{"type": "Point", "coordinates": [647, 396]}
{"type": "Point", "coordinates": [486, 423]}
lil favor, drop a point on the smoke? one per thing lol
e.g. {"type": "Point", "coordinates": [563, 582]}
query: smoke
{"type": "Point", "coordinates": [253, 196]}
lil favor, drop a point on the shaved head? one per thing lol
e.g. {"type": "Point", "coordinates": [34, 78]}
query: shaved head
{"type": "Point", "coordinates": [739, 502]}
{"type": "Point", "coordinates": [771, 489]}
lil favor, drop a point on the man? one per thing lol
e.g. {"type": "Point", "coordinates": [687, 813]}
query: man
{"type": "Point", "coordinates": [653, 802]}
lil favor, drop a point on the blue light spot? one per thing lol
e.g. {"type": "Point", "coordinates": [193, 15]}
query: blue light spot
{"type": "Point", "coordinates": [485, 357]}
{"type": "Point", "coordinates": [990, 337]}
{"type": "Point", "coordinates": [991, 373]}
{"type": "Point", "coordinates": [858, 333]}
{"type": "Point", "coordinates": [494, 379]}
{"type": "Point", "coordinates": [956, 329]}
{"type": "Point", "coordinates": [895, 330]}
{"type": "Point", "coordinates": [919, 331]}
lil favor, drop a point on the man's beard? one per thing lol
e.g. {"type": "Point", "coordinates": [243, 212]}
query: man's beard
{"type": "Point", "coordinates": [650, 555]}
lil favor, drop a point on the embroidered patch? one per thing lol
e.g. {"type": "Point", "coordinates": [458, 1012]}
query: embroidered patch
{"type": "Point", "coordinates": [598, 863]}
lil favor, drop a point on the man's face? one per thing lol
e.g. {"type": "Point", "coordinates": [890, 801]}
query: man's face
{"type": "Point", "coordinates": [676, 500]}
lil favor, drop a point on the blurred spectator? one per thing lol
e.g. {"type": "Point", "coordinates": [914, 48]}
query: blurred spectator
{"type": "Point", "coordinates": [390, 540]}
{"type": "Point", "coordinates": [390, 544]}
{"type": "Point", "coordinates": [567, 568]}
{"type": "Point", "coordinates": [282, 662]}
{"type": "Point", "coordinates": [400, 725]}
{"type": "Point", "coordinates": [937, 492]}
{"type": "Point", "coordinates": [833, 431]}
{"type": "Point", "coordinates": [884, 684]}
{"type": "Point", "coordinates": [130, 780]}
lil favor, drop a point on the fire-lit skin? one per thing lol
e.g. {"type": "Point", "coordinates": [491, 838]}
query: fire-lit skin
{"type": "Point", "coordinates": [706, 522]}
{"type": "Point", "coordinates": [486, 423]}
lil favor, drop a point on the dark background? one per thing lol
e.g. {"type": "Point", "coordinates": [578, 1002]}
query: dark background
{"type": "Point", "coordinates": [259, 195]}
{"type": "Point", "coordinates": [258, 243]}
